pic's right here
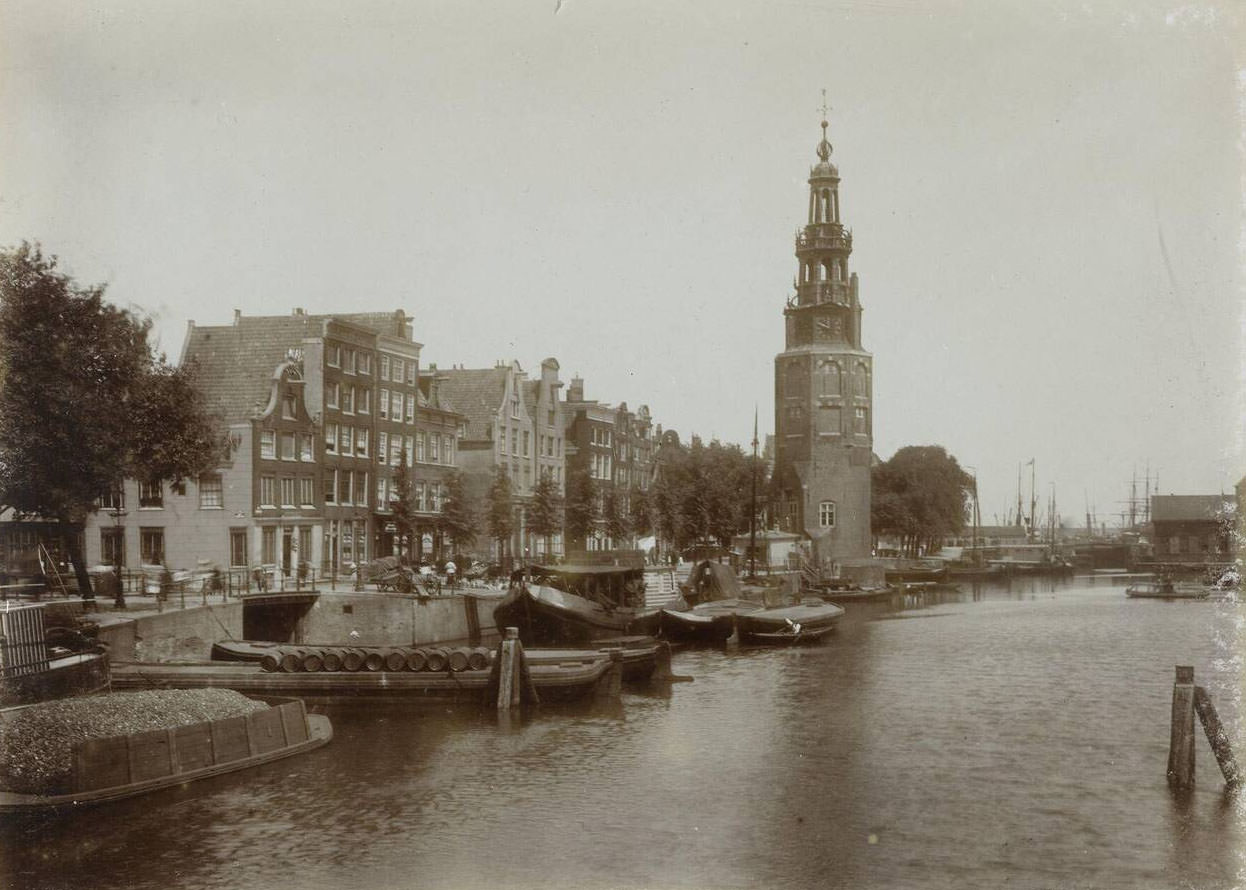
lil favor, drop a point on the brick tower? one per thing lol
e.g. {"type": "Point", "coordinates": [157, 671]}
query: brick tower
{"type": "Point", "coordinates": [823, 386]}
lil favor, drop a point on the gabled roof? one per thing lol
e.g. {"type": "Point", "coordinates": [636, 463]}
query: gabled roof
{"type": "Point", "coordinates": [1191, 507]}
{"type": "Point", "coordinates": [477, 394]}
{"type": "Point", "coordinates": [234, 364]}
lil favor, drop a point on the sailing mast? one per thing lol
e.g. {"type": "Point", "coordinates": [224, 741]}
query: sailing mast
{"type": "Point", "coordinates": [752, 512]}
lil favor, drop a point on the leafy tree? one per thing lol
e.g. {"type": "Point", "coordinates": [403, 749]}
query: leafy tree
{"type": "Point", "coordinates": [545, 512]}
{"type": "Point", "coordinates": [640, 511]}
{"type": "Point", "coordinates": [612, 515]}
{"type": "Point", "coordinates": [501, 508]}
{"type": "Point", "coordinates": [919, 497]}
{"type": "Point", "coordinates": [85, 402]}
{"type": "Point", "coordinates": [457, 519]}
{"type": "Point", "coordinates": [403, 506]}
{"type": "Point", "coordinates": [580, 511]}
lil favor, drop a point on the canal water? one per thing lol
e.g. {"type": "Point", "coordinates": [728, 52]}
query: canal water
{"type": "Point", "coordinates": [1002, 736]}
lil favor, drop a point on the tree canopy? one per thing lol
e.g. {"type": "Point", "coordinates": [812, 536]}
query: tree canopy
{"type": "Point", "coordinates": [581, 506]}
{"type": "Point", "coordinates": [85, 401]}
{"type": "Point", "coordinates": [545, 511]}
{"type": "Point", "coordinates": [703, 492]}
{"type": "Point", "coordinates": [458, 518]}
{"type": "Point", "coordinates": [919, 496]}
{"type": "Point", "coordinates": [501, 508]}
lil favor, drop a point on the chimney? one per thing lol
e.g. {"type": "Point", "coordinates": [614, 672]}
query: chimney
{"type": "Point", "coordinates": [576, 392]}
{"type": "Point", "coordinates": [237, 316]}
{"type": "Point", "coordinates": [298, 310]}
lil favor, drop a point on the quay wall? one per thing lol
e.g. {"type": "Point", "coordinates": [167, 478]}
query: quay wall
{"type": "Point", "coordinates": [174, 635]}
{"type": "Point", "coordinates": [380, 619]}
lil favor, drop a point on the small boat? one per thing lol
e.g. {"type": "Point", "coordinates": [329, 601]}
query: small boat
{"type": "Point", "coordinates": [1167, 589]}
{"type": "Point", "coordinates": [805, 622]}
{"type": "Point", "coordinates": [126, 766]}
{"type": "Point", "coordinates": [574, 605]}
{"type": "Point", "coordinates": [712, 622]}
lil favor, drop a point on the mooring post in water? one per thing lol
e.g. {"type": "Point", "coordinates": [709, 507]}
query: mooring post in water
{"type": "Point", "coordinates": [1181, 743]}
{"type": "Point", "coordinates": [508, 679]}
{"type": "Point", "coordinates": [662, 669]}
{"type": "Point", "coordinates": [610, 686]}
{"type": "Point", "coordinates": [1218, 738]}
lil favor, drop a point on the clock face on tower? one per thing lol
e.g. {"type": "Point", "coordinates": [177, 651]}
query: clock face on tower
{"type": "Point", "coordinates": [828, 328]}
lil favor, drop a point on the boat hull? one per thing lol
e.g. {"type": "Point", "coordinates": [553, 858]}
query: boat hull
{"type": "Point", "coordinates": [299, 732]}
{"type": "Point", "coordinates": [549, 617]}
{"type": "Point", "coordinates": [786, 625]}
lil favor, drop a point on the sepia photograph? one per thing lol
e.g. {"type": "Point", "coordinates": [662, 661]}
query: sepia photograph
{"type": "Point", "coordinates": [583, 445]}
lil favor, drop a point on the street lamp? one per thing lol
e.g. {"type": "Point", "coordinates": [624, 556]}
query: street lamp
{"type": "Point", "coordinates": [118, 558]}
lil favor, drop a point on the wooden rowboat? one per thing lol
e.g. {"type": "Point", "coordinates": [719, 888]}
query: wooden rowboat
{"type": "Point", "coordinates": [805, 622]}
{"type": "Point", "coordinates": [126, 766]}
{"type": "Point", "coordinates": [713, 622]}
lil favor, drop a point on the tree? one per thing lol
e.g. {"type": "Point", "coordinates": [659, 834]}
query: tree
{"type": "Point", "coordinates": [457, 519]}
{"type": "Point", "coordinates": [545, 512]}
{"type": "Point", "coordinates": [613, 517]}
{"type": "Point", "coordinates": [639, 511]}
{"type": "Point", "coordinates": [403, 506]}
{"type": "Point", "coordinates": [501, 507]}
{"type": "Point", "coordinates": [85, 402]}
{"type": "Point", "coordinates": [919, 497]}
{"type": "Point", "coordinates": [580, 511]}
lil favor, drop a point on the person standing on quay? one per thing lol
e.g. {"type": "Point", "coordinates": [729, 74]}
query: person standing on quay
{"type": "Point", "coordinates": [451, 568]}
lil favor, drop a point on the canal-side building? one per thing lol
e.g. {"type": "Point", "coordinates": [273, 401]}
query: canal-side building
{"type": "Point", "coordinates": [1194, 528]}
{"type": "Point", "coordinates": [824, 386]}
{"type": "Point", "coordinates": [511, 422]}
{"type": "Point", "coordinates": [436, 459]}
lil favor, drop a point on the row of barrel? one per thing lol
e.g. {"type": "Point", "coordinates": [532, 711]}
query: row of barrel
{"type": "Point", "coordinates": [312, 659]}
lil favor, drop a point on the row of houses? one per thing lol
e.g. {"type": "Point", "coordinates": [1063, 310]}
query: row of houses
{"type": "Point", "coordinates": [319, 412]}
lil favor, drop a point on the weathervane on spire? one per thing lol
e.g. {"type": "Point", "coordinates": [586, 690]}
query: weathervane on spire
{"type": "Point", "coordinates": [824, 147]}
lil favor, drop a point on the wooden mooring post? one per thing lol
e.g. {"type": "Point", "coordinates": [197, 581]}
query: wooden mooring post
{"type": "Point", "coordinates": [1188, 699]}
{"type": "Point", "coordinates": [515, 686]}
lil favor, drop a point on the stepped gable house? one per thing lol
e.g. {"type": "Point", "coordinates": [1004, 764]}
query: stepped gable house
{"type": "Point", "coordinates": [824, 386]}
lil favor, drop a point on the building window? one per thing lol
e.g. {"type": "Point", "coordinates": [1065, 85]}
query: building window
{"type": "Point", "coordinates": [237, 546]}
{"type": "Point", "coordinates": [307, 491]}
{"type": "Point", "coordinates": [112, 546]}
{"type": "Point", "coordinates": [114, 498]}
{"type": "Point", "coordinates": [515, 408]}
{"type": "Point", "coordinates": [348, 400]}
{"type": "Point", "coordinates": [860, 380]}
{"type": "Point", "coordinates": [385, 367]}
{"type": "Point", "coordinates": [268, 491]}
{"type": "Point", "coordinates": [412, 370]}
{"type": "Point", "coordinates": [420, 439]}
{"type": "Point", "coordinates": [333, 356]}
{"type": "Point", "coordinates": [330, 438]}
{"type": "Point", "coordinates": [268, 444]}
{"type": "Point", "coordinates": [447, 450]}
{"type": "Point", "coordinates": [330, 487]}
{"type": "Point", "coordinates": [151, 545]}
{"type": "Point", "coordinates": [382, 502]}
{"type": "Point", "coordinates": [395, 451]}
{"type": "Point", "coordinates": [287, 491]}
{"type": "Point", "coordinates": [383, 405]}
{"type": "Point", "coordinates": [364, 404]}
{"type": "Point", "coordinates": [344, 481]}
{"type": "Point", "coordinates": [395, 406]}
{"type": "Point", "coordinates": [346, 441]}
{"type": "Point", "coordinates": [361, 489]}
{"type": "Point", "coordinates": [863, 421]}
{"type": "Point", "coordinates": [268, 546]}
{"type": "Point", "coordinates": [435, 445]}
{"type": "Point", "coordinates": [287, 446]}
{"type": "Point", "coordinates": [287, 408]}
{"type": "Point", "coordinates": [151, 493]}
{"type": "Point", "coordinates": [826, 514]}
{"type": "Point", "coordinates": [332, 395]}
{"type": "Point", "coordinates": [410, 408]}
{"type": "Point", "coordinates": [421, 502]}
{"type": "Point", "coordinates": [348, 361]}
{"type": "Point", "coordinates": [361, 442]}
{"type": "Point", "coordinates": [365, 363]}
{"type": "Point", "coordinates": [525, 443]}
{"type": "Point", "coordinates": [399, 370]}
{"type": "Point", "coordinates": [306, 451]}
{"type": "Point", "coordinates": [406, 446]}
{"type": "Point", "coordinates": [211, 492]}
{"type": "Point", "coordinates": [382, 446]}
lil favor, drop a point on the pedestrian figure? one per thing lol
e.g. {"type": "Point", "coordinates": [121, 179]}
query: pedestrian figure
{"type": "Point", "coordinates": [451, 569]}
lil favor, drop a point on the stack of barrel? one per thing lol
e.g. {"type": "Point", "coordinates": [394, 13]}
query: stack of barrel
{"type": "Point", "coordinates": [312, 659]}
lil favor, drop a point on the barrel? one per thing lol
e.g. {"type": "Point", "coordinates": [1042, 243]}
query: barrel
{"type": "Point", "coordinates": [395, 660]}
{"type": "Point", "coordinates": [332, 660]}
{"type": "Point", "coordinates": [417, 659]}
{"type": "Point", "coordinates": [292, 660]}
{"type": "Point", "coordinates": [352, 659]}
{"type": "Point", "coordinates": [436, 660]}
{"type": "Point", "coordinates": [270, 662]}
{"type": "Point", "coordinates": [478, 658]}
{"type": "Point", "coordinates": [313, 661]}
{"type": "Point", "coordinates": [374, 660]}
{"type": "Point", "coordinates": [458, 658]}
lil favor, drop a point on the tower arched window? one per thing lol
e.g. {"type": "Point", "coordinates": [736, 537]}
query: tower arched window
{"type": "Point", "coordinates": [806, 272]}
{"type": "Point", "coordinates": [826, 205]}
{"type": "Point", "coordinates": [835, 206]}
{"type": "Point", "coordinates": [860, 380]}
{"type": "Point", "coordinates": [832, 377]}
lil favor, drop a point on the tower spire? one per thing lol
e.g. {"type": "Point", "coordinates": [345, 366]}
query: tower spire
{"type": "Point", "coordinates": [824, 147]}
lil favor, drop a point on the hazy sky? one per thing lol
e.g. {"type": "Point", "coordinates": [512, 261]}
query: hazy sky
{"type": "Point", "coordinates": [1046, 199]}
